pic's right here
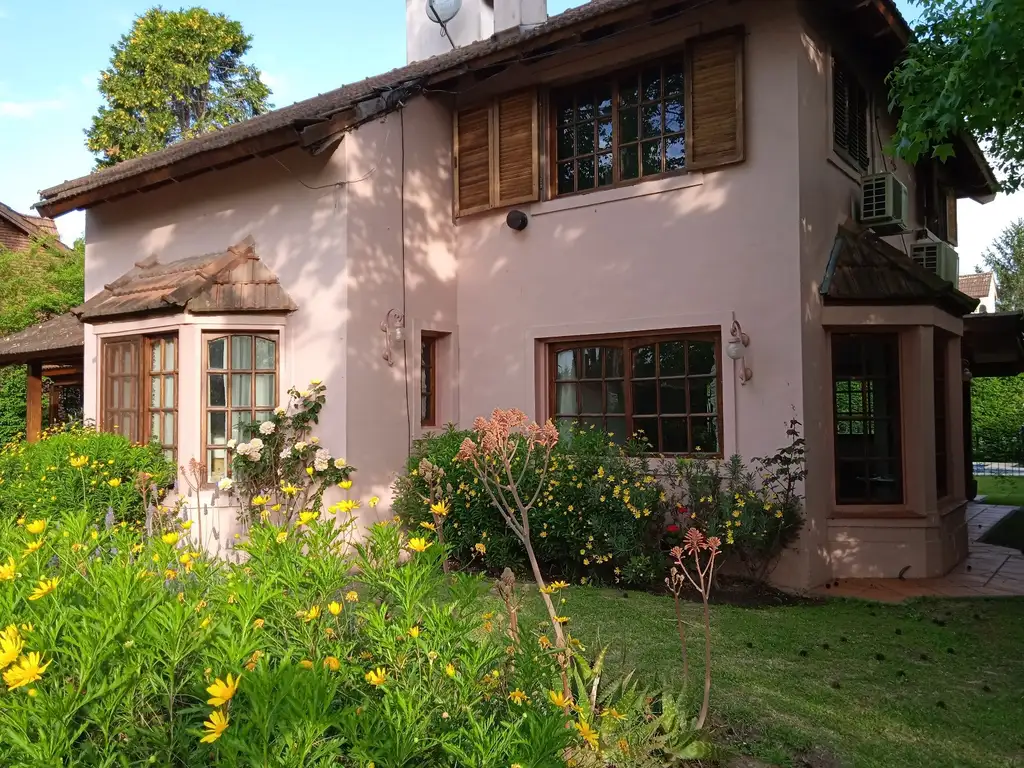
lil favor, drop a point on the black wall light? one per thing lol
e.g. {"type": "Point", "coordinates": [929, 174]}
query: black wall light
{"type": "Point", "coordinates": [517, 220]}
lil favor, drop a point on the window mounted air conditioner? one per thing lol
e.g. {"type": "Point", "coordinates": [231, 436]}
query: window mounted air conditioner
{"type": "Point", "coordinates": [938, 257]}
{"type": "Point", "coordinates": [883, 204]}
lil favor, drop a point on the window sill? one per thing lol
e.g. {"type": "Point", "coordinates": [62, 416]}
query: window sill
{"type": "Point", "coordinates": [835, 159]}
{"type": "Point", "coordinates": [639, 188]}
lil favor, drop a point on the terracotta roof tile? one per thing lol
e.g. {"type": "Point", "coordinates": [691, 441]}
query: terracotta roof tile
{"type": "Point", "coordinates": [31, 225]}
{"type": "Point", "coordinates": [864, 269]}
{"type": "Point", "coordinates": [976, 286]}
{"type": "Point", "coordinates": [234, 280]}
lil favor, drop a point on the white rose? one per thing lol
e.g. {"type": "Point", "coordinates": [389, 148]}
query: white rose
{"type": "Point", "coordinates": [231, 444]}
{"type": "Point", "coordinates": [279, 411]}
{"type": "Point", "coordinates": [225, 484]}
{"type": "Point", "coordinates": [300, 446]}
{"type": "Point", "coordinates": [285, 453]}
{"type": "Point", "coordinates": [256, 444]}
{"type": "Point", "coordinates": [267, 428]}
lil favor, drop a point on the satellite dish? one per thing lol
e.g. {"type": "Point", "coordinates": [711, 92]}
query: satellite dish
{"type": "Point", "coordinates": [443, 11]}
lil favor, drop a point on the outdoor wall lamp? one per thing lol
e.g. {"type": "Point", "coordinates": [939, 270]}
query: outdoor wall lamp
{"type": "Point", "coordinates": [967, 375]}
{"type": "Point", "coordinates": [736, 349]}
{"type": "Point", "coordinates": [393, 328]}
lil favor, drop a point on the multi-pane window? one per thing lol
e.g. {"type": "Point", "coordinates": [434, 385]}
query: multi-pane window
{"type": "Point", "coordinates": [120, 395]}
{"type": "Point", "coordinates": [139, 389]}
{"type": "Point", "coordinates": [850, 106]}
{"type": "Point", "coordinates": [866, 410]}
{"type": "Point", "coordinates": [668, 388]}
{"type": "Point", "coordinates": [241, 388]}
{"type": "Point", "coordinates": [941, 418]}
{"type": "Point", "coordinates": [428, 381]}
{"type": "Point", "coordinates": [162, 382]}
{"type": "Point", "coordinates": [619, 128]}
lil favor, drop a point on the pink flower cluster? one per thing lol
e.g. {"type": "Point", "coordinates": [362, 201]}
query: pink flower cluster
{"type": "Point", "coordinates": [494, 433]}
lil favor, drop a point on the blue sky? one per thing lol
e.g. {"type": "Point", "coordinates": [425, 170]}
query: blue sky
{"type": "Point", "coordinates": [49, 64]}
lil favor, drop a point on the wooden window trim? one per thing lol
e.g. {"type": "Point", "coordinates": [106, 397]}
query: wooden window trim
{"type": "Point", "coordinates": [897, 421]}
{"type": "Point", "coordinates": [106, 381]}
{"type": "Point", "coordinates": [843, 153]}
{"type": "Point", "coordinates": [205, 408]}
{"type": "Point", "coordinates": [613, 78]}
{"type": "Point", "coordinates": [628, 342]}
{"type": "Point", "coordinates": [430, 341]}
{"type": "Point", "coordinates": [147, 409]}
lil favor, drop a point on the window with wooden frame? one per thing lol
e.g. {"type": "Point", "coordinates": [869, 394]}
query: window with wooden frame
{"type": "Point", "coordinates": [121, 376]}
{"type": "Point", "coordinates": [938, 201]}
{"type": "Point", "coordinates": [138, 396]}
{"type": "Point", "coordinates": [667, 386]}
{"type": "Point", "coordinates": [941, 416]}
{"type": "Point", "coordinates": [866, 416]}
{"type": "Point", "coordinates": [162, 388]}
{"type": "Point", "coordinates": [681, 113]}
{"type": "Point", "coordinates": [850, 113]}
{"type": "Point", "coordinates": [428, 381]}
{"type": "Point", "coordinates": [240, 373]}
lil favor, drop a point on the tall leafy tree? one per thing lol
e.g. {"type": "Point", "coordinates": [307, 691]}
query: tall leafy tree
{"type": "Point", "coordinates": [1005, 257]}
{"type": "Point", "coordinates": [964, 71]}
{"type": "Point", "coordinates": [177, 74]}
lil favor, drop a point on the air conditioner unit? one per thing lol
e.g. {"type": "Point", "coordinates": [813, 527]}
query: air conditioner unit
{"type": "Point", "coordinates": [938, 257]}
{"type": "Point", "coordinates": [883, 204]}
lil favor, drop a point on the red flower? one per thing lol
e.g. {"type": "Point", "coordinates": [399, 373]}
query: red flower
{"type": "Point", "coordinates": [672, 528]}
{"type": "Point", "coordinates": [682, 510]}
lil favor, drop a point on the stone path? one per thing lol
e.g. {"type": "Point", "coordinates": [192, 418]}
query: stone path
{"type": "Point", "coordinates": [988, 571]}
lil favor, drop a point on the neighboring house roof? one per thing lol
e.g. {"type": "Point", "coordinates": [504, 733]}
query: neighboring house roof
{"type": "Point", "coordinates": [283, 127]}
{"type": "Point", "coordinates": [977, 286]}
{"type": "Point", "coordinates": [864, 269]}
{"type": "Point", "coordinates": [32, 226]}
{"type": "Point", "coordinates": [234, 280]}
{"type": "Point", "coordinates": [61, 336]}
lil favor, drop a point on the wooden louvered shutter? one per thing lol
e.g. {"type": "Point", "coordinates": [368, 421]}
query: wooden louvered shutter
{"type": "Point", "coordinates": [473, 160]}
{"type": "Point", "coordinates": [951, 225]}
{"type": "Point", "coordinates": [516, 152]}
{"type": "Point", "coordinates": [714, 100]}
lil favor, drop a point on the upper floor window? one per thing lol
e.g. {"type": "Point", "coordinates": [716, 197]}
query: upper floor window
{"type": "Point", "coordinates": [850, 110]}
{"type": "Point", "coordinates": [620, 128]}
{"type": "Point", "coordinates": [685, 112]}
{"type": "Point", "coordinates": [866, 416]}
{"type": "Point", "coordinates": [668, 387]}
{"type": "Point", "coordinates": [241, 388]}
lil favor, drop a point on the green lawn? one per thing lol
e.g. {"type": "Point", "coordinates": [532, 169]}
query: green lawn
{"type": "Point", "coordinates": [1002, 490]}
{"type": "Point", "coordinates": [930, 683]}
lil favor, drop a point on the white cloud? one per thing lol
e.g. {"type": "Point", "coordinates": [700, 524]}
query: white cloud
{"type": "Point", "coordinates": [29, 109]}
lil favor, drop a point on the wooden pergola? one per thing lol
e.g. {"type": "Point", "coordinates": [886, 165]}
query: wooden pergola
{"type": "Point", "coordinates": [53, 350]}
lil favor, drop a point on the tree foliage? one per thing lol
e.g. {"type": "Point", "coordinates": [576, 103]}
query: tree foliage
{"type": "Point", "coordinates": [997, 417]}
{"type": "Point", "coordinates": [176, 75]}
{"type": "Point", "coordinates": [36, 283]}
{"type": "Point", "coordinates": [1005, 257]}
{"type": "Point", "coordinates": [962, 72]}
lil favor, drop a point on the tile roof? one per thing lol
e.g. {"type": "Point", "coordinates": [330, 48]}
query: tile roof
{"type": "Point", "coordinates": [54, 338]}
{"type": "Point", "coordinates": [325, 105]}
{"type": "Point", "coordinates": [976, 286]}
{"type": "Point", "coordinates": [31, 225]}
{"type": "Point", "coordinates": [234, 280]}
{"type": "Point", "coordinates": [864, 269]}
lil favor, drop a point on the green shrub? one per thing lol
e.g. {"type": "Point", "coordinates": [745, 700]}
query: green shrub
{"type": "Point", "coordinates": [118, 651]}
{"type": "Point", "coordinates": [38, 480]}
{"type": "Point", "coordinates": [997, 418]}
{"type": "Point", "coordinates": [598, 518]}
{"type": "Point", "coordinates": [755, 514]}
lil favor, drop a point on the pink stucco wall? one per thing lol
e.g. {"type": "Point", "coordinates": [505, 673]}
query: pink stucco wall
{"type": "Point", "coordinates": [685, 252]}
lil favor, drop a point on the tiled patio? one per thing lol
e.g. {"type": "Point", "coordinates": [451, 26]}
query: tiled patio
{"type": "Point", "coordinates": [988, 571]}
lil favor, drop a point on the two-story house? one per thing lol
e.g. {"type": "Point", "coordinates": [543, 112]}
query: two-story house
{"type": "Point", "coordinates": [638, 214]}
